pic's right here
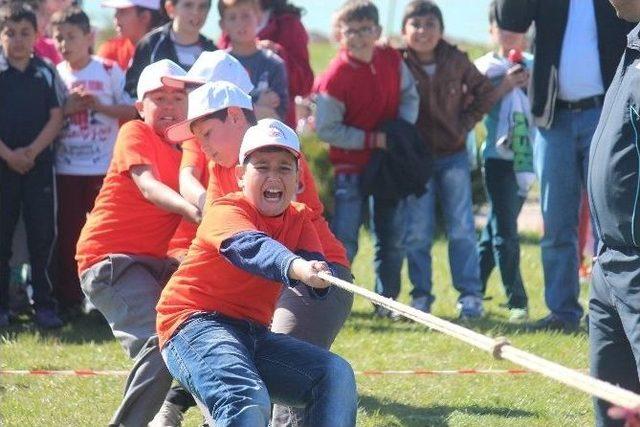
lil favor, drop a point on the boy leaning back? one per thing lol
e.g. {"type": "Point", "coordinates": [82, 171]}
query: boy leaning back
{"type": "Point", "coordinates": [214, 313]}
{"type": "Point", "coordinates": [365, 86]}
{"type": "Point", "coordinates": [30, 119]}
{"type": "Point", "coordinates": [122, 248]}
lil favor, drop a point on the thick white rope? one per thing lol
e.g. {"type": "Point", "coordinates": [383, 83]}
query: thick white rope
{"type": "Point", "coordinates": [501, 349]}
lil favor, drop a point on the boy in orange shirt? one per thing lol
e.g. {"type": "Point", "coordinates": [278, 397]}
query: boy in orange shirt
{"type": "Point", "coordinates": [122, 248]}
{"type": "Point", "coordinates": [214, 313]}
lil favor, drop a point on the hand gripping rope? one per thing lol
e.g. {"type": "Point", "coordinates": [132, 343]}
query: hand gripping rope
{"type": "Point", "coordinates": [500, 348]}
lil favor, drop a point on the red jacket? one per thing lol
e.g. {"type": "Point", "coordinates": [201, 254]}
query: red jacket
{"type": "Point", "coordinates": [370, 95]}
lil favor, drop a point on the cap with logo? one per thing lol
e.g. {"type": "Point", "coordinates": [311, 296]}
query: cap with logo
{"type": "Point", "coordinates": [207, 99]}
{"type": "Point", "coordinates": [151, 77]}
{"type": "Point", "coordinates": [123, 4]}
{"type": "Point", "coordinates": [213, 67]}
{"type": "Point", "coordinates": [269, 133]}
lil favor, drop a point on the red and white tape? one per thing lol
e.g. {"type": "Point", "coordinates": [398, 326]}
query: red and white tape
{"type": "Point", "coordinates": [369, 373]}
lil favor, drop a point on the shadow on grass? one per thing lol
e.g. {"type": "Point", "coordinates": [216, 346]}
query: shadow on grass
{"type": "Point", "coordinates": [80, 330]}
{"type": "Point", "coordinates": [437, 415]}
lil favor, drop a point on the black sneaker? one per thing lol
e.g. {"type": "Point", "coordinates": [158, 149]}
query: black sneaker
{"type": "Point", "coordinates": [4, 318]}
{"type": "Point", "coordinates": [554, 323]}
{"type": "Point", "coordinates": [47, 318]}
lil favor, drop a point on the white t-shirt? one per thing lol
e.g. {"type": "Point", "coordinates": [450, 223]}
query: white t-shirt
{"type": "Point", "coordinates": [86, 142]}
{"type": "Point", "coordinates": [579, 74]}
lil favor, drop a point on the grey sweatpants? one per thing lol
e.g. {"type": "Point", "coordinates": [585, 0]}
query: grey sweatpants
{"type": "Point", "coordinates": [126, 288]}
{"type": "Point", "coordinates": [315, 319]}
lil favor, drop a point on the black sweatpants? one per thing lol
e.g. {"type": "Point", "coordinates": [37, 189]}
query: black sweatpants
{"type": "Point", "coordinates": [33, 194]}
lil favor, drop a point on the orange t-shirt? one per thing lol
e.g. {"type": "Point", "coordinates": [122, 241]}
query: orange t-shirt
{"type": "Point", "coordinates": [119, 50]}
{"type": "Point", "coordinates": [122, 220]}
{"type": "Point", "coordinates": [207, 281]}
{"type": "Point", "coordinates": [223, 181]}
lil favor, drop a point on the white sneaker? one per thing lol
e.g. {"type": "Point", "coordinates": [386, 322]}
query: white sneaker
{"type": "Point", "coordinates": [169, 415]}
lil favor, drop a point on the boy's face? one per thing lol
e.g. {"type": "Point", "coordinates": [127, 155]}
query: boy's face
{"type": "Point", "coordinates": [18, 39]}
{"type": "Point", "coordinates": [359, 38]}
{"type": "Point", "coordinates": [163, 107]}
{"type": "Point", "coordinates": [188, 15]}
{"type": "Point", "coordinates": [220, 141]}
{"type": "Point", "coordinates": [240, 22]}
{"type": "Point", "coordinates": [269, 180]}
{"type": "Point", "coordinates": [129, 23]}
{"type": "Point", "coordinates": [507, 40]}
{"type": "Point", "coordinates": [422, 33]}
{"type": "Point", "coordinates": [73, 44]}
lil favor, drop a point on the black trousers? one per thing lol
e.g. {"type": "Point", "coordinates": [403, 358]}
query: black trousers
{"type": "Point", "coordinates": [33, 194]}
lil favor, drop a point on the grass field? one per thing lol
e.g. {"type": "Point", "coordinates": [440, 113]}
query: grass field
{"type": "Point", "coordinates": [369, 344]}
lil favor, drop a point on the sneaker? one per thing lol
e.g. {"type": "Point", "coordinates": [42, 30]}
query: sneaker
{"type": "Point", "coordinates": [518, 315]}
{"type": "Point", "coordinates": [422, 304]}
{"type": "Point", "coordinates": [4, 318]}
{"type": "Point", "coordinates": [169, 415]}
{"type": "Point", "coordinates": [47, 318]}
{"type": "Point", "coordinates": [554, 323]}
{"type": "Point", "coordinates": [470, 307]}
{"type": "Point", "coordinates": [383, 312]}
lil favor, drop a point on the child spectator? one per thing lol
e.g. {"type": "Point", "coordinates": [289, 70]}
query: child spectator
{"type": "Point", "coordinates": [500, 244]}
{"type": "Point", "coordinates": [28, 125]}
{"type": "Point", "coordinates": [214, 313]}
{"type": "Point", "coordinates": [122, 248]}
{"type": "Point", "coordinates": [45, 46]}
{"type": "Point", "coordinates": [178, 40]}
{"type": "Point", "coordinates": [133, 19]}
{"type": "Point", "coordinates": [281, 30]}
{"type": "Point", "coordinates": [364, 86]}
{"type": "Point", "coordinates": [453, 97]}
{"type": "Point", "coordinates": [95, 103]}
{"type": "Point", "coordinates": [239, 19]}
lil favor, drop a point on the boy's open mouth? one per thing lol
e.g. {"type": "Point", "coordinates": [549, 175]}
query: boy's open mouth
{"type": "Point", "coordinates": [272, 195]}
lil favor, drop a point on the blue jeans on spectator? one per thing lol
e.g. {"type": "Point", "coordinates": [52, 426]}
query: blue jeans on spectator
{"type": "Point", "coordinates": [237, 368]}
{"type": "Point", "coordinates": [562, 158]}
{"type": "Point", "coordinates": [500, 244]}
{"type": "Point", "coordinates": [614, 320]}
{"type": "Point", "coordinates": [451, 186]}
{"type": "Point", "coordinates": [387, 224]}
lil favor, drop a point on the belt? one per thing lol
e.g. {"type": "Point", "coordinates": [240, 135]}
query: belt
{"type": "Point", "coordinates": [581, 104]}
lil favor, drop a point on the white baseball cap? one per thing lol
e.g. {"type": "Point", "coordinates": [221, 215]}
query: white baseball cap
{"type": "Point", "coordinates": [123, 4]}
{"type": "Point", "coordinates": [269, 133]}
{"type": "Point", "coordinates": [151, 77]}
{"type": "Point", "coordinates": [213, 67]}
{"type": "Point", "coordinates": [207, 99]}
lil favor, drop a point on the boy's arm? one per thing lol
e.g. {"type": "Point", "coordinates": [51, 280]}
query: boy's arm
{"type": "Point", "coordinates": [121, 112]}
{"type": "Point", "coordinates": [17, 160]}
{"type": "Point", "coordinates": [161, 195]}
{"type": "Point", "coordinates": [191, 188]}
{"type": "Point", "coordinates": [48, 133]}
{"type": "Point", "coordinates": [409, 98]}
{"type": "Point", "coordinates": [482, 93]}
{"type": "Point", "coordinates": [280, 85]}
{"type": "Point", "coordinates": [264, 256]}
{"type": "Point", "coordinates": [516, 15]}
{"type": "Point", "coordinates": [331, 128]}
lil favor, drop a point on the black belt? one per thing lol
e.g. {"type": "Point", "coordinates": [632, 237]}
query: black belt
{"type": "Point", "coordinates": [581, 104]}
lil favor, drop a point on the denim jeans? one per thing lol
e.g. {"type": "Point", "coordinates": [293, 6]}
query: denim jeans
{"type": "Point", "coordinates": [500, 244]}
{"type": "Point", "coordinates": [451, 186]}
{"type": "Point", "coordinates": [562, 157]}
{"type": "Point", "coordinates": [614, 323]}
{"type": "Point", "coordinates": [238, 368]}
{"type": "Point", "coordinates": [387, 224]}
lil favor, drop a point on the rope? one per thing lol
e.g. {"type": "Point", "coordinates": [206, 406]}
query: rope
{"type": "Point", "coordinates": [501, 349]}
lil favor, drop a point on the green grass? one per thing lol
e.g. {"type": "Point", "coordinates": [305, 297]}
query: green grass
{"type": "Point", "coordinates": [369, 344]}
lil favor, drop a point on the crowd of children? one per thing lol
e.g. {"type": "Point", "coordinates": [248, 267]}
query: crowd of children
{"type": "Point", "coordinates": [161, 177]}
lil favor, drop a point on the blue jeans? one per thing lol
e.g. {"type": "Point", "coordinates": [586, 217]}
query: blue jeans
{"type": "Point", "coordinates": [387, 224]}
{"type": "Point", "coordinates": [562, 157]}
{"type": "Point", "coordinates": [451, 186]}
{"type": "Point", "coordinates": [500, 244]}
{"type": "Point", "coordinates": [237, 368]}
{"type": "Point", "coordinates": [614, 323]}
